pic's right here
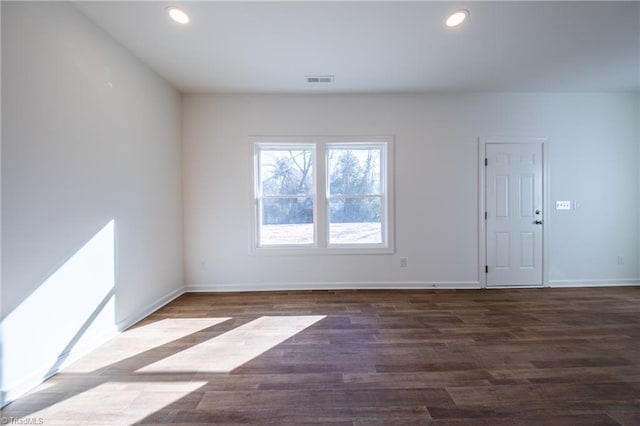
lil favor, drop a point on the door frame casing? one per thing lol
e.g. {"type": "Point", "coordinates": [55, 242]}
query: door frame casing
{"type": "Point", "coordinates": [482, 227]}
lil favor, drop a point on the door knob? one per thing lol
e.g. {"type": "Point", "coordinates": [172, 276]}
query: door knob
{"type": "Point", "coordinates": [538, 222]}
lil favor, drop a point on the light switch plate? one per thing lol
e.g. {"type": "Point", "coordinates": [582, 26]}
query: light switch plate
{"type": "Point", "coordinates": [563, 205]}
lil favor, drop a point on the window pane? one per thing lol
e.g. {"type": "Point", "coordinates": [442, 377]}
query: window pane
{"type": "Point", "coordinates": [355, 220]}
{"type": "Point", "coordinates": [354, 189]}
{"type": "Point", "coordinates": [354, 171]}
{"type": "Point", "coordinates": [286, 171]}
{"type": "Point", "coordinates": [287, 221]}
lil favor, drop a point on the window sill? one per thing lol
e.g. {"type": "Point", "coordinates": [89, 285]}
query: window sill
{"type": "Point", "coordinates": [315, 251]}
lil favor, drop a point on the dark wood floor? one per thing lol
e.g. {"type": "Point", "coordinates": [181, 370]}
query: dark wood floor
{"type": "Point", "coordinates": [490, 357]}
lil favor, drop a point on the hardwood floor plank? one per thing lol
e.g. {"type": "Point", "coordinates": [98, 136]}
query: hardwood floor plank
{"type": "Point", "coordinates": [446, 357]}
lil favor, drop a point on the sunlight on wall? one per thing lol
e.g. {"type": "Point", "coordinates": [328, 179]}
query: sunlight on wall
{"type": "Point", "coordinates": [136, 341]}
{"type": "Point", "coordinates": [111, 402]}
{"type": "Point", "coordinates": [236, 347]}
{"type": "Point", "coordinates": [71, 311]}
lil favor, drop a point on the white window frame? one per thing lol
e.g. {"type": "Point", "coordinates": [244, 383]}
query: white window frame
{"type": "Point", "coordinates": [259, 196]}
{"type": "Point", "coordinates": [321, 146]}
{"type": "Point", "coordinates": [383, 146]}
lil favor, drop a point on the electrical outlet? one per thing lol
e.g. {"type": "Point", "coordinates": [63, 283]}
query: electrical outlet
{"type": "Point", "coordinates": [620, 260]}
{"type": "Point", "coordinates": [403, 262]}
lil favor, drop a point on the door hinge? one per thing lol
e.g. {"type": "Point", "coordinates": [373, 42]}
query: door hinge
{"type": "Point", "coordinates": [486, 269]}
{"type": "Point", "coordinates": [486, 161]}
{"type": "Point", "coordinates": [485, 215]}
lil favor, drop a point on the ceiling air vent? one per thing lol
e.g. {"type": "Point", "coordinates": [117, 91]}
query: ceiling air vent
{"type": "Point", "coordinates": [319, 79]}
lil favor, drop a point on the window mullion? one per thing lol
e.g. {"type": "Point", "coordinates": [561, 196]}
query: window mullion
{"type": "Point", "coordinates": [321, 182]}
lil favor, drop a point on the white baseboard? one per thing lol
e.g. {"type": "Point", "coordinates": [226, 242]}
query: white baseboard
{"type": "Point", "coordinates": [67, 358]}
{"type": "Point", "coordinates": [614, 282]}
{"type": "Point", "coordinates": [514, 287]}
{"type": "Point", "coordinates": [293, 286]}
{"type": "Point", "coordinates": [143, 313]}
{"type": "Point", "coordinates": [397, 285]}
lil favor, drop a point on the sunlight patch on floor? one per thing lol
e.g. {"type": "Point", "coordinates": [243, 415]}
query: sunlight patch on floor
{"type": "Point", "coordinates": [115, 403]}
{"type": "Point", "coordinates": [138, 340]}
{"type": "Point", "coordinates": [230, 350]}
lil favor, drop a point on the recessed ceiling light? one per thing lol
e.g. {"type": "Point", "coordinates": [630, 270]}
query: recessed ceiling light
{"type": "Point", "coordinates": [178, 15]}
{"type": "Point", "coordinates": [457, 18]}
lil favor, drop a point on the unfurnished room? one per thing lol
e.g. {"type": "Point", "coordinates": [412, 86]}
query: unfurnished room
{"type": "Point", "coordinates": [320, 212]}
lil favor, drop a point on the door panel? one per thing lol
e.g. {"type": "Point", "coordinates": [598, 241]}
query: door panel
{"type": "Point", "coordinates": [502, 250]}
{"type": "Point", "coordinates": [527, 249]}
{"type": "Point", "coordinates": [502, 196]}
{"type": "Point", "coordinates": [514, 204]}
{"type": "Point", "coordinates": [527, 198]}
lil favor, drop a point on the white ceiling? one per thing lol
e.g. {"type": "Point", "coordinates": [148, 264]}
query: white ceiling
{"type": "Point", "coordinates": [382, 46]}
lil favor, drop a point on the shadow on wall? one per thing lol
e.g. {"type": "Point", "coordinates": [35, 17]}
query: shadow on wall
{"type": "Point", "coordinates": [70, 312]}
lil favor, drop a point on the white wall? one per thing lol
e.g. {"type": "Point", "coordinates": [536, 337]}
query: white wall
{"type": "Point", "coordinates": [593, 157]}
{"type": "Point", "coordinates": [91, 196]}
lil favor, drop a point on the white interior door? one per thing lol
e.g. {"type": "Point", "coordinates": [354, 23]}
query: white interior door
{"type": "Point", "coordinates": [513, 203]}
